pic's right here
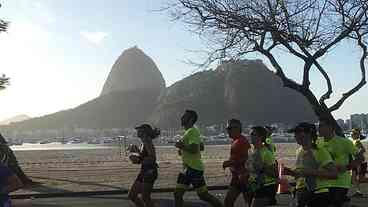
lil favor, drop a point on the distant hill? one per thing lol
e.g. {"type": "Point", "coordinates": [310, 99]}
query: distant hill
{"type": "Point", "coordinates": [245, 90]}
{"type": "Point", "coordinates": [135, 92]}
{"type": "Point", "coordinates": [134, 70]}
{"type": "Point", "coordinates": [15, 119]}
{"type": "Point", "coordinates": [113, 110]}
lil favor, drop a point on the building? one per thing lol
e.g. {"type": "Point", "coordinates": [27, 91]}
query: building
{"type": "Point", "coordinates": [359, 121]}
{"type": "Point", "coordinates": [341, 123]}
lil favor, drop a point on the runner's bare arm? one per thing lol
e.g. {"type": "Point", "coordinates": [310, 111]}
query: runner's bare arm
{"type": "Point", "coordinates": [151, 158]}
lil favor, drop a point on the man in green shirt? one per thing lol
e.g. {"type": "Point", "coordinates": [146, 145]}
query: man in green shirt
{"type": "Point", "coordinates": [314, 168]}
{"type": "Point", "coordinates": [346, 157]}
{"type": "Point", "coordinates": [193, 168]}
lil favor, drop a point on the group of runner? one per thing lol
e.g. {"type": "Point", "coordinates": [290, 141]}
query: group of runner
{"type": "Point", "coordinates": [323, 170]}
{"type": "Point", "coordinates": [327, 166]}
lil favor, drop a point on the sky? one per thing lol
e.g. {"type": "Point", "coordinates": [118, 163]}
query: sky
{"type": "Point", "coordinates": [58, 54]}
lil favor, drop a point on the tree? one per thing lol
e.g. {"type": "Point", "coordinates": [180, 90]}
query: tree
{"type": "Point", "coordinates": [4, 81]}
{"type": "Point", "coordinates": [306, 29]}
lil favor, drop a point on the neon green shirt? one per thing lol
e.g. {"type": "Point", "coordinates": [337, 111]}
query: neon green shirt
{"type": "Point", "coordinates": [192, 160]}
{"type": "Point", "coordinates": [320, 142]}
{"type": "Point", "coordinates": [261, 159]}
{"type": "Point", "coordinates": [271, 144]}
{"type": "Point", "coordinates": [342, 151]}
{"type": "Point", "coordinates": [320, 159]}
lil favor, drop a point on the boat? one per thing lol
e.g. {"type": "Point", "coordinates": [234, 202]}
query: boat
{"type": "Point", "coordinates": [45, 142]}
{"type": "Point", "coordinates": [74, 141]}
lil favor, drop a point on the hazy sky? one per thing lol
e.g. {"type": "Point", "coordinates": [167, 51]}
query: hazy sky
{"type": "Point", "coordinates": [58, 53]}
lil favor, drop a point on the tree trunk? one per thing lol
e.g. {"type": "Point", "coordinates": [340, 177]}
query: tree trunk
{"type": "Point", "coordinates": [321, 110]}
{"type": "Point", "coordinates": [327, 115]}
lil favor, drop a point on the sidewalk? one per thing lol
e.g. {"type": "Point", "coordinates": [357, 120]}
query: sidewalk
{"type": "Point", "coordinates": [161, 199]}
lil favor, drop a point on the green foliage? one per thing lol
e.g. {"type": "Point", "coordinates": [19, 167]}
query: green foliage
{"type": "Point", "coordinates": [4, 81]}
{"type": "Point", "coordinates": [3, 25]}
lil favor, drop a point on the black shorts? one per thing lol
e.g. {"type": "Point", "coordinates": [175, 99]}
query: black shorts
{"type": "Point", "coordinates": [265, 192]}
{"type": "Point", "coordinates": [303, 197]}
{"type": "Point", "coordinates": [338, 196]}
{"type": "Point", "coordinates": [148, 175]}
{"type": "Point", "coordinates": [319, 199]}
{"type": "Point", "coordinates": [191, 177]}
{"type": "Point", "coordinates": [307, 198]}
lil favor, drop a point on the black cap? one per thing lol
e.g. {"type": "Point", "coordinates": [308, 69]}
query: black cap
{"type": "Point", "coordinates": [144, 127]}
{"type": "Point", "coordinates": [303, 127]}
{"type": "Point", "coordinates": [233, 123]}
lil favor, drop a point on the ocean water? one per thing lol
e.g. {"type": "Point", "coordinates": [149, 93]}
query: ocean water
{"type": "Point", "coordinates": [58, 146]}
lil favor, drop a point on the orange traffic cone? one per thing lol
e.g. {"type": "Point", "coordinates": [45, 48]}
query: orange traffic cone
{"type": "Point", "coordinates": [283, 187]}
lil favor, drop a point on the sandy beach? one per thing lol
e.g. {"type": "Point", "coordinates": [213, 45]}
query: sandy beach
{"type": "Point", "coordinates": [108, 169]}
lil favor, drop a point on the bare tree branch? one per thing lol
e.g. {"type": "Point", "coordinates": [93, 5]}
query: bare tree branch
{"type": "Point", "coordinates": [4, 81]}
{"type": "Point", "coordinates": [307, 29]}
{"type": "Point", "coordinates": [363, 72]}
{"type": "Point", "coordinates": [279, 72]}
{"type": "Point", "coordinates": [326, 95]}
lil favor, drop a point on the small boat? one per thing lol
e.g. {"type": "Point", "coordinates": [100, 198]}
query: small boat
{"type": "Point", "coordinates": [45, 142]}
{"type": "Point", "coordinates": [75, 141]}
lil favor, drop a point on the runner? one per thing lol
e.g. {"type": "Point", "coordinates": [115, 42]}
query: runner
{"type": "Point", "coordinates": [8, 159]}
{"type": "Point", "coordinates": [346, 157]}
{"type": "Point", "coordinates": [9, 182]}
{"type": "Point", "coordinates": [146, 156]}
{"type": "Point", "coordinates": [193, 168]}
{"type": "Point", "coordinates": [262, 168]}
{"type": "Point", "coordinates": [360, 171]}
{"type": "Point", "coordinates": [314, 167]}
{"type": "Point", "coordinates": [236, 163]}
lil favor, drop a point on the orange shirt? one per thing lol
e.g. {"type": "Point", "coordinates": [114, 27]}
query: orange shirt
{"type": "Point", "coordinates": [239, 150]}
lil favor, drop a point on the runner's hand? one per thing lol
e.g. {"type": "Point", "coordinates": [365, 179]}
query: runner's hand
{"type": "Point", "coordinates": [135, 159]}
{"type": "Point", "coordinates": [179, 144]}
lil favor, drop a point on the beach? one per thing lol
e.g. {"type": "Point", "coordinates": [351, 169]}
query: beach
{"type": "Point", "coordinates": [108, 168]}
